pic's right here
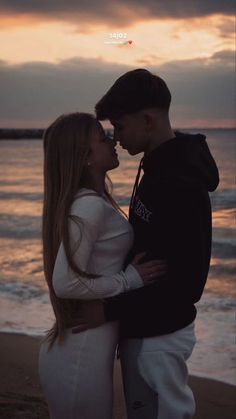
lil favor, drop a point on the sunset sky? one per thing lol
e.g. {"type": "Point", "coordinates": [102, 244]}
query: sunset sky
{"type": "Point", "coordinates": [60, 56]}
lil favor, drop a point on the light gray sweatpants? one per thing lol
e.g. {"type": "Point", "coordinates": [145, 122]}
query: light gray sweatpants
{"type": "Point", "coordinates": [155, 375]}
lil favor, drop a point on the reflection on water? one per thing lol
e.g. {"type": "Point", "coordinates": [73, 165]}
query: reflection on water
{"type": "Point", "coordinates": [21, 260]}
{"type": "Point", "coordinates": [20, 207]}
{"type": "Point", "coordinates": [225, 219]}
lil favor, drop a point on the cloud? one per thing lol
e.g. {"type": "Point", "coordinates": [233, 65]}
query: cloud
{"type": "Point", "coordinates": [122, 12]}
{"type": "Point", "coordinates": [203, 89]}
{"type": "Point", "coordinates": [227, 28]}
{"type": "Point", "coordinates": [226, 56]}
{"type": "Point", "coordinates": [33, 94]}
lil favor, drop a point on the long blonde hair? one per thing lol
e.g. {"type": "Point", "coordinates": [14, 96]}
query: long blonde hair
{"type": "Point", "coordinates": [66, 148]}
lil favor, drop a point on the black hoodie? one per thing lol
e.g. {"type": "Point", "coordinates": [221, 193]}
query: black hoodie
{"type": "Point", "coordinates": [171, 216]}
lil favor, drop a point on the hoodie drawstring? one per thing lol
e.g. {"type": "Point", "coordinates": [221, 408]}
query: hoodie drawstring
{"type": "Point", "coordinates": [136, 183]}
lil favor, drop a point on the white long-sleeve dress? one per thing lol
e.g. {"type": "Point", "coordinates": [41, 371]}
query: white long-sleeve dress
{"type": "Point", "coordinates": [77, 375]}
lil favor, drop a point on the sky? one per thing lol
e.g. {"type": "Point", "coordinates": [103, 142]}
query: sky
{"type": "Point", "coordinates": [60, 56]}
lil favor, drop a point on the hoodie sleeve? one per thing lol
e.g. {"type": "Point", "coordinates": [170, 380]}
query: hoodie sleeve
{"type": "Point", "coordinates": [188, 245]}
{"type": "Point", "coordinates": [184, 239]}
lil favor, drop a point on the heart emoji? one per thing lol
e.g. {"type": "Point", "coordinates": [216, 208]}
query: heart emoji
{"type": "Point", "coordinates": [130, 42]}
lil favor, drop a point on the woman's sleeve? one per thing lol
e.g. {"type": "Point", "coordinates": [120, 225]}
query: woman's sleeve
{"type": "Point", "coordinates": [68, 284]}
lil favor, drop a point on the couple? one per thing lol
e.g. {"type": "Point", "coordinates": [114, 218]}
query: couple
{"type": "Point", "coordinates": [117, 282]}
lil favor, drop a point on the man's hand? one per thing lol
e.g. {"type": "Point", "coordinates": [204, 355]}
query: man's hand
{"type": "Point", "coordinates": [150, 271]}
{"type": "Point", "coordinates": [90, 315]}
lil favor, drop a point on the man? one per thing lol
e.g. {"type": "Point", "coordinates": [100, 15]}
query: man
{"type": "Point", "coordinates": [171, 216]}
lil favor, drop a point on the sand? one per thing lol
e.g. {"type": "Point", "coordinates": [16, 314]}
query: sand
{"type": "Point", "coordinates": [21, 395]}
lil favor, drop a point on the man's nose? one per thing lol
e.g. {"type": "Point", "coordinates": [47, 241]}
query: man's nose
{"type": "Point", "coordinates": [113, 141]}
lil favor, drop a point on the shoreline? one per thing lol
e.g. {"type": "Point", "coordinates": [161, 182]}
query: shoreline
{"type": "Point", "coordinates": [193, 374]}
{"type": "Point", "coordinates": [21, 394]}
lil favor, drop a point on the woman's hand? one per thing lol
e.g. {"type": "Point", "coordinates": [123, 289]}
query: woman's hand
{"type": "Point", "coordinates": [149, 271]}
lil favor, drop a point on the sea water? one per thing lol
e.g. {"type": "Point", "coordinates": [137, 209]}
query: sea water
{"type": "Point", "coordinates": [24, 302]}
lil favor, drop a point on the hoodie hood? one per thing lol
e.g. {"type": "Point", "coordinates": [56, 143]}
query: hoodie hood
{"type": "Point", "coordinates": [185, 160]}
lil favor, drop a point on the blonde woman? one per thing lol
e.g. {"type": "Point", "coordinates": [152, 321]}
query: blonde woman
{"type": "Point", "coordinates": [85, 243]}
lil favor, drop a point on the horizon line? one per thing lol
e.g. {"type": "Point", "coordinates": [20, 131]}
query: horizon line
{"type": "Point", "coordinates": [175, 128]}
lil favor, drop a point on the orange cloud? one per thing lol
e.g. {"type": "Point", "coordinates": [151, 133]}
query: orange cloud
{"type": "Point", "coordinates": [9, 21]}
{"type": "Point", "coordinates": [121, 12]}
{"type": "Point", "coordinates": [153, 42]}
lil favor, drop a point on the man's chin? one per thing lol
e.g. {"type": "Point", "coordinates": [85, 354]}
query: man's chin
{"type": "Point", "coordinates": [133, 152]}
{"type": "Point", "coordinates": [130, 151]}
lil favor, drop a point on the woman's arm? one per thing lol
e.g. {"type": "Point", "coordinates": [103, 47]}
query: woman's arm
{"type": "Point", "coordinates": [68, 284]}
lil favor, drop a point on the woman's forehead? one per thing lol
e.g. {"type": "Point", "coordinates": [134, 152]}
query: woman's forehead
{"type": "Point", "coordinates": [98, 132]}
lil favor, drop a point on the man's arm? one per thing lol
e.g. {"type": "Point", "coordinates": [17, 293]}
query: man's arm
{"type": "Point", "coordinates": [182, 228]}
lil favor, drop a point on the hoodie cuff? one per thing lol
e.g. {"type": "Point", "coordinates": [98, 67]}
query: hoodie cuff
{"type": "Point", "coordinates": [133, 278]}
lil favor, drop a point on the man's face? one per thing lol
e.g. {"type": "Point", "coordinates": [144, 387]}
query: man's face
{"type": "Point", "coordinates": [130, 132]}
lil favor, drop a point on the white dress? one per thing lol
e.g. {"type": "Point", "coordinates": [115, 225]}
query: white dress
{"type": "Point", "coordinates": [77, 376]}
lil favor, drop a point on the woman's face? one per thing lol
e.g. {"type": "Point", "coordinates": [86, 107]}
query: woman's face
{"type": "Point", "coordinates": [103, 155]}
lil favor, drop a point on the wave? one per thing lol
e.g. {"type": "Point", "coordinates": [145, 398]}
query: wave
{"type": "Point", "coordinates": [223, 250]}
{"type": "Point", "coordinates": [23, 290]}
{"type": "Point", "coordinates": [223, 199]}
{"type": "Point", "coordinates": [21, 196]}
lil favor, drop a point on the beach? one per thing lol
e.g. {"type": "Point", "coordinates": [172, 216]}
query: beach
{"type": "Point", "coordinates": [21, 394]}
{"type": "Point", "coordinates": [24, 301]}
{"type": "Point", "coordinates": [25, 310]}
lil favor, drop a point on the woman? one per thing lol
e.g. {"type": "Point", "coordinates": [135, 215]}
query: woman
{"type": "Point", "coordinates": [85, 242]}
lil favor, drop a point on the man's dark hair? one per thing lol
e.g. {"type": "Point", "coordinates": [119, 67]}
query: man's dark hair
{"type": "Point", "coordinates": [133, 91]}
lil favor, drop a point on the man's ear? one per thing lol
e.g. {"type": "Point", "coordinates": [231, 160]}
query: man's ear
{"type": "Point", "coordinates": [149, 120]}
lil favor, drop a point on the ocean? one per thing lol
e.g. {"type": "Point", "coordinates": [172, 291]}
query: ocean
{"type": "Point", "coordinates": [24, 302]}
